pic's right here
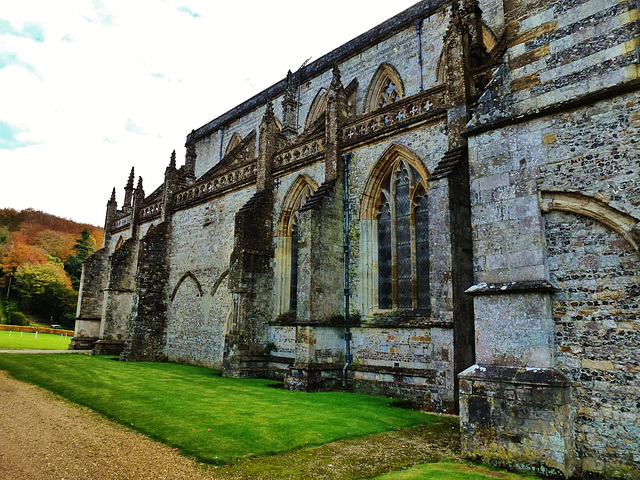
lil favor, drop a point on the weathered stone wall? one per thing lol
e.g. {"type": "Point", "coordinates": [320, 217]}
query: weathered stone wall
{"type": "Point", "coordinates": [93, 281]}
{"type": "Point", "coordinates": [201, 244]}
{"type": "Point", "coordinates": [582, 167]}
{"type": "Point", "coordinates": [597, 337]}
{"type": "Point", "coordinates": [118, 299]}
{"type": "Point", "coordinates": [560, 51]}
{"type": "Point", "coordinates": [407, 362]}
{"type": "Point", "coordinates": [146, 332]}
{"type": "Point", "coordinates": [518, 416]}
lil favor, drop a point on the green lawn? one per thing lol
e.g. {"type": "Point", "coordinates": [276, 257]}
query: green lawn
{"type": "Point", "coordinates": [447, 470]}
{"type": "Point", "coordinates": [29, 341]}
{"type": "Point", "coordinates": [206, 416]}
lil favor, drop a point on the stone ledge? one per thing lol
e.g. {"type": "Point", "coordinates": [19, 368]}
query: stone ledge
{"type": "Point", "coordinates": [289, 319]}
{"type": "Point", "coordinates": [516, 375]}
{"type": "Point", "coordinates": [522, 286]}
{"type": "Point", "coordinates": [398, 371]}
{"type": "Point", "coordinates": [404, 319]}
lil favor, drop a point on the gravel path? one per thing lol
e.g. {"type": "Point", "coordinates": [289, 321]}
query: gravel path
{"type": "Point", "coordinates": [45, 437]}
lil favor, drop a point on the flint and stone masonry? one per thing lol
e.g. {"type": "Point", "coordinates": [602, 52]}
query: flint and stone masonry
{"type": "Point", "coordinates": [493, 191]}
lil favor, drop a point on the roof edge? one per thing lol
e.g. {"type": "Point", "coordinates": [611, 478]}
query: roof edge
{"type": "Point", "coordinates": [326, 62]}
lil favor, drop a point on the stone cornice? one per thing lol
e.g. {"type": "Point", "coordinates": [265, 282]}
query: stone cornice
{"type": "Point", "coordinates": [377, 34]}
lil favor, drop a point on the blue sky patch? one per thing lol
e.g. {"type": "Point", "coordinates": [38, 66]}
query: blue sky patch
{"type": "Point", "coordinates": [133, 127]}
{"type": "Point", "coordinates": [8, 140]}
{"type": "Point", "coordinates": [9, 58]}
{"type": "Point", "coordinates": [189, 11]}
{"type": "Point", "coordinates": [29, 30]}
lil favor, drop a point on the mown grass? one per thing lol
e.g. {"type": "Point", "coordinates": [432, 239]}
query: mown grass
{"type": "Point", "coordinates": [447, 470]}
{"type": "Point", "coordinates": [211, 418]}
{"type": "Point", "coordinates": [28, 341]}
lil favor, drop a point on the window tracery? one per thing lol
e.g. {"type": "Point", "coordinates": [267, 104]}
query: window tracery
{"type": "Point", "coordinates": [403, 241]}
{"type": "Point", "coordinates": [386, 87]}
{"type": "Point", "coordinates": [394, 219]}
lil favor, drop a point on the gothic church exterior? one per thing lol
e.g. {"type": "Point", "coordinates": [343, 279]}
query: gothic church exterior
{"type": "Point", "coordinates": [445, 209]}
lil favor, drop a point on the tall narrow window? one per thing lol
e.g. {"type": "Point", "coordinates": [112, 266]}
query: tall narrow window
{"type": "Point", "coordinates": [293, 294]}
{"type": "Point", "coordinates": [287, 245]}
{"type": "Point", "coordinates": [403, 243]}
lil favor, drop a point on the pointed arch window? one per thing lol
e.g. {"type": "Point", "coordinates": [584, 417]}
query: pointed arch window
{"type": "Point", "coordinates": [386, 87]}
{"type": "Point", "coordinates": [403, 241]}
{"type": "Point", "coordinates": [233, 143]}
{"type": "Point", "coordinates": [287, 243]}
{"type": "Point", "coordinates": [394, 220]}
{"type": "Point", "coordinates": [318, 107]}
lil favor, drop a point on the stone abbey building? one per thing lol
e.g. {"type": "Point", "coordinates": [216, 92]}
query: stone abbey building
{"type": "Point", "coordinates": [445, 209]}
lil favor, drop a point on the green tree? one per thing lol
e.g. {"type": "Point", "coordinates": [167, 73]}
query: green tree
{"type": "Point", "coordinates": [85, 246]}
{"type": "Point", "coordinates": [57, 303]}
{"type": "Point", "coordinates": [73, 267]}
{"type": "Point", "coordinates": [18, 318]}
{"type": "Point", "coordinates": [4, 234]}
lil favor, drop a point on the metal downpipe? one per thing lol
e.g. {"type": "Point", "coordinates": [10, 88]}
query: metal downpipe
{"type": "Point", "coordinates": [346, 159]}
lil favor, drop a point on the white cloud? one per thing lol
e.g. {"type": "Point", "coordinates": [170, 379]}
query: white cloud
{"type": "Point", "coordinates": [99, 86]}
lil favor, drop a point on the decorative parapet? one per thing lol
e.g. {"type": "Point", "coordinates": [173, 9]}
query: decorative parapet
{"type": "Point", "coordinates": [222, 182]}
{"type": "Point", "coordinates": [402, 113]}
{"type": "Point", "coordinates": [299, 153]}
{"type": "Point", "coordinates": [122, 222]}
{"type": "Point", "coordinates": [151, 211]}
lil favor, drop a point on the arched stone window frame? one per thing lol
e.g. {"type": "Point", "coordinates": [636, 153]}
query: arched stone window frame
{"type": "Point", "coordinates": [396, 157]}
{"type": "Point", "coordinates": [625, 225]}
{"type": "Point", "coordinates": [318, 107]}
{"type": "Point", "coordinates": [301, 189]}
{"type": "Point", "coordinates": [378, 94]}
{"type": "Point", "coordinates": [187, 276]}
{"type": "Point", "coordinates": [119, 243]}
{"type": "Point", "coordinates": [235, 140]}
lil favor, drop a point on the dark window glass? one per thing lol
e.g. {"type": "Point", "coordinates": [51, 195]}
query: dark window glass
{"type": "Point", "coordinates": [403, 241]}
{"type": "Point", "coordinates": [422, 251]}
{"type": "Point", "coordinates": [384, 257]}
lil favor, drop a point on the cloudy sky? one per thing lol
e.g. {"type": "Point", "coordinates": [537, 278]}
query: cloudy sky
{"type": "Point", "coordinates": [90, 88]}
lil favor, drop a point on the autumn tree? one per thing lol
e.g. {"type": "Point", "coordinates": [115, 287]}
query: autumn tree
{"type": "Point", "coordinates": [31, 280]}
{"type": "Point", "coordinates": [37, 251]}
{"type": "Point", "coordinates": [58, 245]}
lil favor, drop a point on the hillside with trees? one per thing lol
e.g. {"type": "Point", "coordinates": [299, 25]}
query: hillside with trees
{"type": "Point", "coordinates": [41, 259]}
